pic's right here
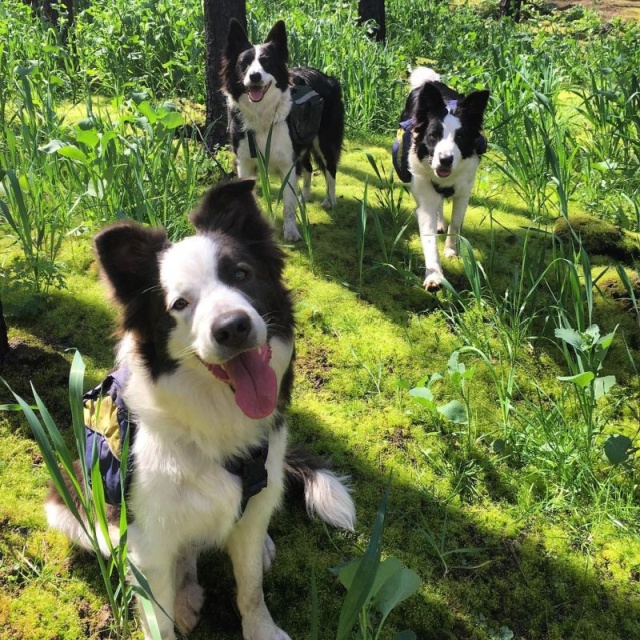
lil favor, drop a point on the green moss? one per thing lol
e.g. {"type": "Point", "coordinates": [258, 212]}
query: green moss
{"type": "Point", "coordinates": [599, 237]}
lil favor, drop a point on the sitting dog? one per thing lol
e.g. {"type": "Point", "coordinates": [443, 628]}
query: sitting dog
{"type": "Point", "coordinates": [439, 153]}
{"type": "Point", "coordinates": [205, 368]}
{"type": "Point", "coordinates": [297, 112]}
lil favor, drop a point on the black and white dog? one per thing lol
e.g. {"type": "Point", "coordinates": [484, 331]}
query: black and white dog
{"type": "Point", "coordinates": [444, 151]}
{"type": "Point", "coordinates": [258, 85]}
{"type": "Point", "coordinates": [207, 346]}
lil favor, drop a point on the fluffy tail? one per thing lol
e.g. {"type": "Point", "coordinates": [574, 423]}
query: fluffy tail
{"type": "Point", "coordinates": [420, 75]}
{"type": "Point", "coordinates": [60, 517]}
{"type": "Point", "coordinates": [325, 493]}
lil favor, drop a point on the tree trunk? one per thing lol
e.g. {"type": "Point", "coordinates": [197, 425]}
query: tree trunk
{"type": "Point", "coordinates": [511, 9]}
{"type": "Point", "coordinates": [373, 10]}
{"type": "Point", "coordinates": [4, 338]}
{"type": "Point", "coordinates": [217, 14]}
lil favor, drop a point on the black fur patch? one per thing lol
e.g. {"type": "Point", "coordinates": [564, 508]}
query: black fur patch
{"type": "Point", "coordinates": [128, 254]}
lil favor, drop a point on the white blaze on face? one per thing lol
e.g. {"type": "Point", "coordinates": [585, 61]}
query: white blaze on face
{"type": "Point", "coordinates": [447, 146]}
{"type": "Point", "coordinates": [189, 271]}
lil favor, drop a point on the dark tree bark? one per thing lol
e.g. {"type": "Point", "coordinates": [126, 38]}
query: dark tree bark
{"type": "Point", "coordinates": [4, 338]}
{"type": "Point", "coordinates": [217, 14]}
{"type": "Point", "coordinates": [49, 11]}
{"type": "Point", "coordinates": [511, 9]}
{"type": "Point", "coordinates": [373, 10]}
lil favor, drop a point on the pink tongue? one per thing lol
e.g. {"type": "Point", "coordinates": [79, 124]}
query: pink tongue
{"type": "Point", "coordinates": [255, 382]}
{"type": "Point", "coordinates": [255, 93]}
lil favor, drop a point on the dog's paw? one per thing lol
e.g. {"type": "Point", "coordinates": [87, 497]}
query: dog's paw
{"type": "Point", "coordinates": [450, 252]}
{"type": "Point", "coordinates": [268, 553]}
{"type": "Point", "coordinates": [327, 205]}
{"type": "Point", "coordinates": [433, 281]}
{"type": "Point", "coordinates": [189, 601]}
{"type": "Point", "coordinates": [264, 630]}
{"type": "Point", "coordinates": [291, 233]}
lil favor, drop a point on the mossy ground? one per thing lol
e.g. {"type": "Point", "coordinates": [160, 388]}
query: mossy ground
{"type": "Point", "coordinates": [494, 551]}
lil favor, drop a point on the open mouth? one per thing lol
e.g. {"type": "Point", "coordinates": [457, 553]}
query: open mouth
{"type": "Point", "coordinates": [441, 172]}
{"type": "Point", "coordinates": [253, 381]}
{"type": "Point", "coordinates": [256, 92]}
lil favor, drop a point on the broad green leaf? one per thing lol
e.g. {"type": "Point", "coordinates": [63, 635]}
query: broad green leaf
{"type": "Point", "coordinates": [454, 411]}
{"type": "Point", "coordinates": [570, 336]}
{"type": "Point", "coordinates": [88, 137]}
{"type": "Point", "coordinates": [172, 120]}
{"type": "Point", "coordinates": [73, 153]}
{"type": "Point", "coordinates": [602, 386]}
{"type": "Point", "coordinates": [421, 393]}
{"type": "Point", "coordinates": [582, 380]}
{"type": "Point", "coordinates": [617, 448]}
{"type": "Point", "coordinates": [52, 146]}
{"type": "Point", "coordinates": [399, 586]}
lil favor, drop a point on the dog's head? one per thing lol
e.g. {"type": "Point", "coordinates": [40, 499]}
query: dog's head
{"type": "Point", "coordinates": [212, 302]}
{"type": "Point", "coordinates": [447, 132]}
{"type": "Point", "coordinates": [251, 72]}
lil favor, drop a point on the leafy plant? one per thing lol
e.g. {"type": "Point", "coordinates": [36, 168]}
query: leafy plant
{"type": "Point", "coordinates": [374, 585]}
{"type": "Point", "coordinates": [88, 492]}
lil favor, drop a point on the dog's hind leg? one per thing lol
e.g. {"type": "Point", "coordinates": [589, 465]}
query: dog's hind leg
{"type": "Point", "coordinates": [290, 198]}
{"type": "Point", "coordinates": [442, 225]}
{"type": "Point", "coordinates": [307, 170]}
{"type": "Point", "coordinates": [190, 596]}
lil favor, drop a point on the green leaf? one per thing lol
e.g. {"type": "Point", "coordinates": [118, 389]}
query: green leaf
{"type": "Point", "coordinates": [400, 585]}
{"type": "Point", "coordinates": [582, 380]}
{"type": "Point", "coordinates": [52, 146]}
{"type": "Point", "coordinates": [454, 411]}
{"type": "Point", "coordinates": [73, 153]}
{"type": "Point", "coordinates": [570, 336]}
{"type": "Point", "coordinates": [602, 386]}
{"type": "Point", "coordinates": [617, 448]}
{"type": "Point", "coordinates": [172, 120]}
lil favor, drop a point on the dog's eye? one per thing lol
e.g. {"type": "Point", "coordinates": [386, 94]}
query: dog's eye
{"type": "Point", "coordinates": [179, 304]}
{"type": "Point", "coordinates": [241, 273]}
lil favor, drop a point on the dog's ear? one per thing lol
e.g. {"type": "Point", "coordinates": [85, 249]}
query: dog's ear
{"type": "Point", "coordinates": [237, 40]}
{"type": "Point", "coordinates": [128, 256]}
{"type": "Point", "coordinates": [472, 108]}
{"type": "Point", "coordinates": [429, 101]}
{"type": "Point", "coordinates": [278, 37]}
{"type": "Point", "coordinates": [229, 207]}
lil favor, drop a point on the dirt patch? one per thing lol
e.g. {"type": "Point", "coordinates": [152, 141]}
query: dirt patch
{"type": "Point", "coordinates": [607, 9]}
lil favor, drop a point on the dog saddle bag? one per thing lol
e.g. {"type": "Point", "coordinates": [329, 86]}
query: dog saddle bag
{"type": "Point", "coordinates": [400, 150]}
{"type": "Point", "coordinates": [107, 423]}
{"type": "Point", "coordinates": [305, 115]}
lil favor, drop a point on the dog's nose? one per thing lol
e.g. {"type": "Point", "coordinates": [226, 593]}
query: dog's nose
{"type": "Point", "coordinates": [446, 161]}
{"type": "Point", "coordinates": [255, 77]}
{"type": "Point", "coordinates": [232, 329]}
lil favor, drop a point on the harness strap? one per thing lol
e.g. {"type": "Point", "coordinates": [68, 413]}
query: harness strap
{"type": "Point", "coordinates": [253, 147]}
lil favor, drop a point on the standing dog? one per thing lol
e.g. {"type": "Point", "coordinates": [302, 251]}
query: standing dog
{"type": "Point", "coordinates": [258, 85]}
{"type": "Point", "coordinates": [205, 372]}
{"type": "Point", "coordinates": [445, 141]}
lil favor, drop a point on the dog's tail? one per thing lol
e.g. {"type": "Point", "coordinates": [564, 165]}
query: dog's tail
{"type": "Point", "coordinates": [325, 493]}
{"type": "Point", "coordinates": [420, 75]}
{"type": "Point", "coordinates": [60, 517]}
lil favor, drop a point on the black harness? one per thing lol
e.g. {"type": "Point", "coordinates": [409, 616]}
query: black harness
{"type": "Point", "coordinates": [107, 425]}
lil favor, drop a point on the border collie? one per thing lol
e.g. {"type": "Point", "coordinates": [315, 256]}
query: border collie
{"type": "Point", "coordinates": [207, 343]}
{"type": "Point", "coordinates": [258, 83]}
{"type": "Point", "coordinates": [443, 157]}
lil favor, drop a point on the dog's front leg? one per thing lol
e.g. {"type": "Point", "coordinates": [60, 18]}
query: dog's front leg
{"type": "Point", "coordinates": [290, 198]}
{"type": "Point", "coordinates": [429, 203]}
{"type": "Point", "coordinates": [154, 555]}
{"type": "Point", "coordinates": [245, 547]}
{"type": "Point", "coordinates": [459, 208]}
